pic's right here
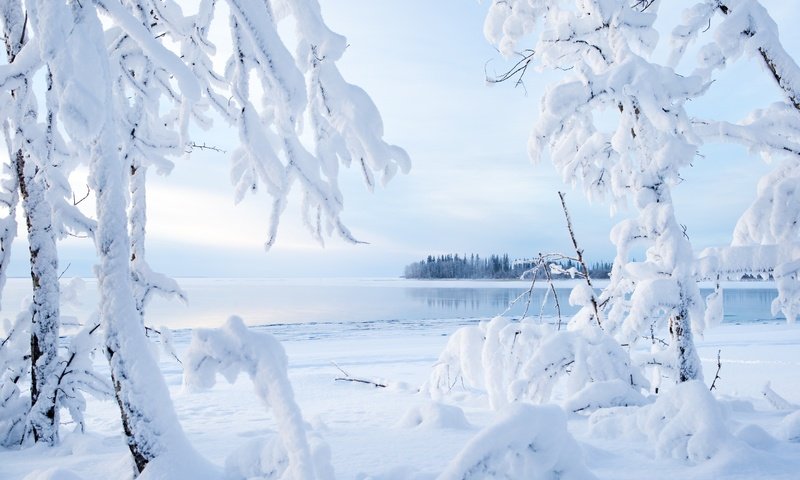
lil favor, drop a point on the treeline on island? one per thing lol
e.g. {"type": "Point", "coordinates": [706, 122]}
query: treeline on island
{"type": "Point", "coordinates": [494, 266]}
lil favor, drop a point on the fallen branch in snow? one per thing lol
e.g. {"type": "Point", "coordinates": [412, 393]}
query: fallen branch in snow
{"type": "Point", "coordinates": [716, 375]}
{"type": "Point", "coordinates": [778, 402]}
{"type": "Point", "coordinates": [348, 378]}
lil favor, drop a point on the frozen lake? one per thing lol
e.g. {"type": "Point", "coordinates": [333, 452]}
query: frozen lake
{"type": "Point", "coordinates": [365, 304]}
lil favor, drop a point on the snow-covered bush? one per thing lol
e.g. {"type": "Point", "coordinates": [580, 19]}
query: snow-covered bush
{"type": "Point", "coordinates": [232, 349]}
{"type": "Point", "coordinates": [77, 374]}
{"type": "Point", "coordinates": [526, 361]}
{"type": "Point", "coordinates": [526, 442]}
{"type": "Point", "coordinates": [685, 422]}
{"type": "Point", "coordinates": [74, 376]}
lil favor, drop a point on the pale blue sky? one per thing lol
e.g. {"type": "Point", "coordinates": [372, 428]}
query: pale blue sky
{"type": "Point", "coordinates": [471, 187]}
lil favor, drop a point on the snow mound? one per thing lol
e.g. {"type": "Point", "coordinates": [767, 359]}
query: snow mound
{"type": "Point", "coordinates": [756, 437]}
{"type": "Point", "coordinates": [612, 393]}
{"type": "Point", "coordinates": [180, 464]}
{"type": "Point", "coordinates": [267, 459]}
{"type": "Point", "coordinates": [789, 428]}
{"type": "Point", "coordinates": [53, 474]}
{"type": "Point", "coordinates": [527, 442]}
{"type": "Point", "coordinates": [403, 472]}
{"type": "Point", "coordinates": [434, 415]}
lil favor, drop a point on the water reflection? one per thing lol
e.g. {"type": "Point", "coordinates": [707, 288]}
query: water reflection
{"type": "Point", "coordinates": [740, 304]}
{"type": "Point", "coordinates": [492, 301]}
{"type": "Point", "coordinates": [748, 304]}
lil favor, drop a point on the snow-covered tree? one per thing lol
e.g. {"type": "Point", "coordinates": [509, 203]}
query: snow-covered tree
{"type": "Point", "coordinates": [765, 240]}
{"type": "Point", "coordinates": [148, 143]}
{"type": "Point", "coordinates": [108, 85]}
{"type": "Point", "coordinates": [298, 89]}
{"type": "Point", "coordinates": [616, 123]}
{"type": "Point", "coordinates": [23, 139]}
{"type": "Point", "coordinates": [40, 183]}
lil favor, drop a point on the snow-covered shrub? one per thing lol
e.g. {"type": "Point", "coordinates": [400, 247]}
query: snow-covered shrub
{"type": "Point", "coordinates": [459, 364]}
{"type": "Point", "coordinates": [685, 422]}
{"type": "Point", "coordinates": [434, 415]}
{"type": "Point", "coordinates": [232, 349]}
{"type": "Point", "coordinates": [74, 375]}
{"type": "Point", "coordinates": [77, 375]}
{"type": "Point", "coordinates": [528, 442]}
{"type": "Point", "coordinates": [526, 361]}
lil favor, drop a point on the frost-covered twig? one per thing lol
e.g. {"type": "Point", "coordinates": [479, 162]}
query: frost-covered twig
{"type": "Point", "coordinates": [542, 263]}
{"type": "Point", "coordinates": [192, 146]}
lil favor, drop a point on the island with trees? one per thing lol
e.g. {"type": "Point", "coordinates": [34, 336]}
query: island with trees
{"type": "Point", "coordinates": [495, 266]}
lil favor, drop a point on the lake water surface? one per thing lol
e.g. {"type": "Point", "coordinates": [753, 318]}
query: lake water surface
{"type": "Point", "coordinates": [366, 303]}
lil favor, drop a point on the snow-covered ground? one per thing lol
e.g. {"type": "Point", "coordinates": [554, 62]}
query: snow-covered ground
{"type": "Point", "coordinates": [398, 433]}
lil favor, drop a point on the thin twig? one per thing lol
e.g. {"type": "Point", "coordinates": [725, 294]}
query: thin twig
{"type": "Point", "coordinates": [193, 145]}
{"type": "Point", "coordinates": [65, 270]}
{"type": "Point", "coordinates": [76, 201]}
{"type": "Point", "coordinates": [579, 252]}
{"type": "Point", "coordinates": [716, 375]}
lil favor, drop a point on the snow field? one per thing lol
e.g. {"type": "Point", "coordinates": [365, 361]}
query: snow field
{"type": "Point", "coordinates": [369, 436]}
